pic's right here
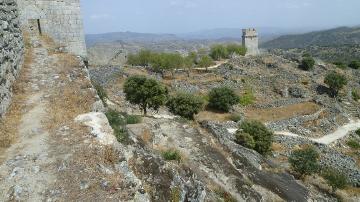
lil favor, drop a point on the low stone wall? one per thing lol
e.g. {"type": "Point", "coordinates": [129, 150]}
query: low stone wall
{"type": "Point", "coordinates": [11, 51]}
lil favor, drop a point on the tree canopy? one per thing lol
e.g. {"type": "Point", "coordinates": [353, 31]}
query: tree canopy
{"type": "Point", "coordinates": [147, 93]}
{"type": "Point", "coordinates": [185, 105]}
{"type": "Point", "coordinates": [305, 161]}
{"type": "Point", "coordinates": [335, 81]}
{"type": "Point", "coordinates": [261, 135]}
{"type": "Point", "coordinates": [222, 98]}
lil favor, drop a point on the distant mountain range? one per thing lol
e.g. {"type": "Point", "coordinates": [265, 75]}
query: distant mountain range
{"type": "Point", "coordinates": [92, 39]}
{"type": "Point", "coordinates": [220, 34]}
{"type": "Point", "coordinates": [332, 37]}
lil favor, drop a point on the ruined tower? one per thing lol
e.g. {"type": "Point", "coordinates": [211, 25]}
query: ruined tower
{"type": "Point", "coordinates": [251, 41]}
{"type": "Point", "coordinates": [59, 19]}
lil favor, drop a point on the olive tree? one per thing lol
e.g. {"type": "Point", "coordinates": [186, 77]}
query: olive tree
{"type": "Point", "coordinates": [147, 93]}
{"type": "Point", "coordinates": [305, 161]}
{"type": "Point", "coordinates": [222, 98]}
{"type": "Point", "coordinates": [335, 81]}
{"type": "Point", "coordinates": [261, 135]}
{"type": "Point", "coordinates": [185, 105]}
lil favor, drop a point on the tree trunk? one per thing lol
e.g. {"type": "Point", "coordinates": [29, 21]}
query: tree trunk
{"type": "Point", "coordinates": [144, 106]}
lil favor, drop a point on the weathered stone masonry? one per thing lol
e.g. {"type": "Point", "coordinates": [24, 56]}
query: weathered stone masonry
{"type": "Point", "coordinates": [11, 51]}
{"type": "Point", "coordinates": [59, 19]}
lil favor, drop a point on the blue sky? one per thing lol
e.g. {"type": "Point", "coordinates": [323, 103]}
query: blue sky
{"type": "Point", "coordinates": [181, 16]}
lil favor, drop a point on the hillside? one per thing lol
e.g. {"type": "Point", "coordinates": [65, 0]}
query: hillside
{"type": "Point", "coordinates": [333, 37]}
{"type": "Point", "coordinates": [92, 39]}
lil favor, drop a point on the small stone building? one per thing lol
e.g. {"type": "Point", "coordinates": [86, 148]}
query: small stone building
{"type": "Point", "coordinates": [250, 40]}
{"type": "Point", "coordinates": [59, 19]}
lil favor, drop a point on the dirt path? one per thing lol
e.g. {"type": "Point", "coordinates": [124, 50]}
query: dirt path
{"type": "Point", "coordinates": [341, 132]}
{"type": "Point", "coordinates": [26, 172]}
{"type": "Point", "coordinates": [218, 64]}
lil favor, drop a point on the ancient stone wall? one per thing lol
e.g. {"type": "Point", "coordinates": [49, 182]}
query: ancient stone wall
{"type": "Point", "coordinates": [59, 19]}
{"type": "Point", "coordinates": [11, 51]}
{"type": "Point", "coordinates": [250, 40]}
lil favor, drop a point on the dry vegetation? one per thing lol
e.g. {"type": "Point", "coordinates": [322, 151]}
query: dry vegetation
{"type": "Point", "coordinates": [281, 113]}
{"type": "Point", "coordinates": [9, 124]}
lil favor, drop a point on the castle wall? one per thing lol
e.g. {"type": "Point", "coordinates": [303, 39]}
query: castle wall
{"type": "Point", "coordinates": [250, 40]}
{"type": "Point", "coordinates": [59, 19]}
{"type": "Point", "coordinates": [11, 51]}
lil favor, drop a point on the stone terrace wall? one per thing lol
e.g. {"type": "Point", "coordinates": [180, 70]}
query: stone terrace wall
{"type": "Point", "coordinates": [59, 19]}
{"type": "Point", "coordinates": [11, 51]}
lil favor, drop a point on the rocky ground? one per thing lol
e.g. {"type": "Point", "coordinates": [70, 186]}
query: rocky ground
{"type": "Point", "coordinates": [287, 99]}
{"type": "Point", "coordinates": [63, 148]}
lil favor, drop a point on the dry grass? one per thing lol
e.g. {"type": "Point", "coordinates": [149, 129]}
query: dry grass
{"type": "Point", "coordinates": [147, 137]}
{"type": "Point", "coordinates": [212, 116]}
{"type": "Point", "coordinates": [111, 156]}
{"type": "Point", "coordinates": [71, 100]}
{"type": "Point", "coordinates": [277, 147]}
{"type": "Point", "coordinates": [9, 124]}
{"type": "Point", "coordinates": [282, 113]}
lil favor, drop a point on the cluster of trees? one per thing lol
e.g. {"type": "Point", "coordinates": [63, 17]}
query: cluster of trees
{"type": "Point", "coordinates": [150, 94]}
{"type": "Point", "coordinates": [305, 161]}
{"type": "Point", "coordinates": [161, 61]}
{"type": "Point", "coordinates": [170, 61]}
{"type": "Point", "coordinates": [219, 51]}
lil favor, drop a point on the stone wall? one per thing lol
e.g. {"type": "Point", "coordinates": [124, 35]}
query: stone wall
{"type": "Point", "coordinates": [59, 19]}
{"type": "Point", "coordinates": [11, 51]}
{"type": "Point", "coordinates": [250, 40]}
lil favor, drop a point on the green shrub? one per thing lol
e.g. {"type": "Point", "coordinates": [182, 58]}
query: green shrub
{"type": "Point", "coordinates": [144, 92]}
{"type": "Point", "coordinates": [245, 139]}
{"type": "Point", "coordinates": [335, 178]}
{"type": "Point", "coordinates": [355, 94]}
{"type": "Point", "coordinates": [357, 132]}
{"type": "Point", "coordinates": [354, 64]}
{"type": "Point", "coordinates": [133, 119]}
{"type": "Point", "coordinates": [247, 98]}
{"type": "Point", "coordinates": [219, 52]}
{"type": "Point", "coordinates": [335, 81]}
{"type": "Point", "coordinates": [143, 58]}
{"type": "Point", "coordinates": [121, 134]}
{"type": "Point", "coordinates": [171, 155]}
{"type": "Point", "coordinates": [340, 65]}
{"type": "Point", "coordinates": [354, 144]}
{"type": "Point", "coordinates": [101, 92]}
{"type": "Point", "coordinates": [115, 118]}
{"type": "Point", "coordinates": [235, 117]}
{"type": "Point", "coordinates": [306, 55]}
{"type": "Point", "coordinates": [305, 161]}
{"type": "Point", "coordinates": [205, 61]}
{"type": "Point", "coordinates": [118, 123]}
{"type": "Point", "coordinates": [262, 136]}
{"type": "Point", "coordinates": [222, 98]}
{"type": "Point", "coordinates": [307, 63]}
{"type": "Point", "coordinates": [237, 49]}
{"type": "Point", "coordinates": [185, 105]}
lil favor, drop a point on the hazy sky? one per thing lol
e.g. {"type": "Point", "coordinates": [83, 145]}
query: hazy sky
{"type": "Point", "coordinates": [180, 16]}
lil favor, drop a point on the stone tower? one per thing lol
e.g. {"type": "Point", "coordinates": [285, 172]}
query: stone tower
{"type": "Point", "coordinates": [251, 41]}
{"type": "Point", "coordinates": [59, 19]}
